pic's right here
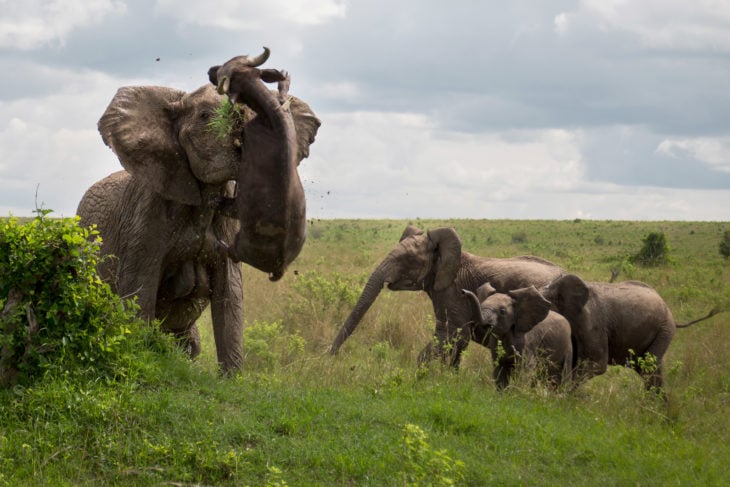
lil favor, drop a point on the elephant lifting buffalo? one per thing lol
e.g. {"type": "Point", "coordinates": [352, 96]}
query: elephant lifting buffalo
{"type": "Point", "coordinates": [192, 203]}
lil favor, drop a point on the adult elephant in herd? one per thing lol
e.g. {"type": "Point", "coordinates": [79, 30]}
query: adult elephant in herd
{"type": "Point", "coordinates": [192, 202]}
{"type": "Point", "coordinates": [434, 262]}
{"type": "Point", "coordinates": [624, 323]}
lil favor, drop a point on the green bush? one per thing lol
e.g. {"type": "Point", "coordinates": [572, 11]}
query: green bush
{"type": "Point", "coordinates": [655, 250]}
{"type": "Point", "coordinates": [425, 466]}
{"type": "Point", "coordinates": [725, 244]}
{"type": "Point", "coordinates": [55, 312]}
{"type": "Point", "coordinates": [519, 238]}
{"type": "Point", "coordinates": [267, 344]}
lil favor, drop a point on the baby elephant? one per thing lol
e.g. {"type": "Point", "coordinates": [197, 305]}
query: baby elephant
{"type": "Point", "coordinates": [521, 321]}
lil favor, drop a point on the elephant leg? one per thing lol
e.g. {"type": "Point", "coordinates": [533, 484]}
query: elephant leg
{"type": "Point", "coordinates": [226, 307]}
{"type": "Point", "coordinates": [178, 317]}
{"type": "Point", "coordinates": [447, 345]}
{"type": "Point", "coordinates": [502, 362]}
{"type": "Point", "coordinates": [587, 369]}
{"type": "Point", "coordinates": [451, 342]}
{"type": "Point", "coordinates": [650, 368]}
{"type": "Point", "coordinates": [501, 374]}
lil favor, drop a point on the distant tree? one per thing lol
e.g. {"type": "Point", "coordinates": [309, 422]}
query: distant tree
{"type": "Point", "coordinates": [725, 244]}
{"type": "Point", "coordinates": [655, 250]}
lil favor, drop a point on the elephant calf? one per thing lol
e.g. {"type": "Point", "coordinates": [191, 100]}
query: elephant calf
{"type": "Point", "coordinates": [626, 323]}
{"type": "Point", "coordinates": [523, 324]}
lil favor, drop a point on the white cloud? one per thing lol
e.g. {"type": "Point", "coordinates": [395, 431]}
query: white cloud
{"type": "Point", "coordinates": [51, 143]}
{"type": "Point", "coordinates": [712, 151]}
{"type": "Point", "coordinates": [400, 164]}
{"type": "Point", "coordinates": [664, 24]}
{"type": "Point", "coordinates": [31, 24]}
{"type": "Point", "coordinates": [230, 14]}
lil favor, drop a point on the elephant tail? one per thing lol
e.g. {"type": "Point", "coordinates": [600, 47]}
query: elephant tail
{"type": "Point", "coordinates": [712, 313]}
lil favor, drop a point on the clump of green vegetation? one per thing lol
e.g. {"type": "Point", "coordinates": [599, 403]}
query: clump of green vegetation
{"type": "Point", "coordinates": [268, 344]}
{"type": "Point", "coordinates": [314, 419]}
{"type": "Point", "coordinates": [55, 312]}
{"type": "Point", "coordinates": [655, 250]}
{"type": "Point", "coordinates": [228, 119]}
{"type": "Point", "coordinates": [519, 237]}
{"type": "Point", "coordinates": [725, 244]}
{"type": "Point", "coordinates": [425, 466]}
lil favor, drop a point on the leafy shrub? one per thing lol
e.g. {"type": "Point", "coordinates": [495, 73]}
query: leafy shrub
{"type": "Point", "coordinates": [425, 466]}
{"type": "Point", "coordinates": [267, 344]}
{"type": "Point", "coordinates": [655, 250]}
{"type": "Point", "coordinates": [725, 244]}
{"type": "Point", "coordinates": [55, 312]}
{"type": "Point", "coordinates": [337, 290]}
{"type": "Point", "coordinates": [519, 237]}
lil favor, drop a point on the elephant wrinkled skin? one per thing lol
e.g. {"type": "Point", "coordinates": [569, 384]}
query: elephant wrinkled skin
{"type": "Point", "coordinates": [521, 327]}
{"type": "Point", "coordinates": [434, 262]}
{"type": "Point", "coordinates": [192, 203]}
{"type": "Point", "coordinates": [624, 323]}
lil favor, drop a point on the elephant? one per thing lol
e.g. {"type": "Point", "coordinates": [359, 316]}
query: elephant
{"type": "Point", "coordinates": [624, 323]}
{"type": "Point", "coordinates": [433, 261]}
{"type": "Point", "coordinates": [521, 326]}
{"type": "Point", "coordinates": [192, 203]}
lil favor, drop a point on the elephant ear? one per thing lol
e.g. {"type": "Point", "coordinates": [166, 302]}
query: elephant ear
{"type": "Point", "coordinates": [571, 295]}
{"type": "Point", "coordinates": [139, 126]}
{"type": "Point", "coordinates": [530, 308]}
{"type": "Point", "coordinates": [484, 291]}
{"type": "Point", "coordinates": [409, 231]}
{"type": "Point", "coordinates": [306, 125]}
{"type": "Point", "coordinates": [447, 244]}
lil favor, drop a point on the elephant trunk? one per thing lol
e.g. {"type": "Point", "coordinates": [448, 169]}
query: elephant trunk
{"type": "Point", "coordinates": [370, 292]}
{"type": "Point", "coordinates": [475, 308]}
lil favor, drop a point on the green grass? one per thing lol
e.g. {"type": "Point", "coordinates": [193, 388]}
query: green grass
{"type": "Point", "coordinates": [299, 417]}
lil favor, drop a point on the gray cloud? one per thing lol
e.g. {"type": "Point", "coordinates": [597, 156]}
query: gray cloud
{"type": "Point", "coordinates": [523, 109]}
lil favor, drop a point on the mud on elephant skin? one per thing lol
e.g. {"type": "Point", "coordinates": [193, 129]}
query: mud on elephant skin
{"type": "Point", "coordinates": [521, 328]}
{"type": "Point", "coordinates": [615, 324]}
{"type": "Point", "coordinates": [175, 229]}
{"type": "Point", "coordinates": [434, 262]}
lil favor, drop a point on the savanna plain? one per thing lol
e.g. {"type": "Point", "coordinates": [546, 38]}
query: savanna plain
{"type": "Point", "coordinates": [369, 416]}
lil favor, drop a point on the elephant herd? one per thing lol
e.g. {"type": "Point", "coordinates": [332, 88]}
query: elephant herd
{"type": "Point", "coordinates": [523, 308]}
{"type": "Point", "coordinates": [192, 203]}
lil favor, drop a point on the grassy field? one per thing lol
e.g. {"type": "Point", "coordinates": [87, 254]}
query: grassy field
{"type": "Point", "coordinates": [297, 416]}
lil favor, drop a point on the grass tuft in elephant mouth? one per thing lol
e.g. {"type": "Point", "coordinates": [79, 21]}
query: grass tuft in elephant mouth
{"type": "Point", "coordinates": [229, 119]}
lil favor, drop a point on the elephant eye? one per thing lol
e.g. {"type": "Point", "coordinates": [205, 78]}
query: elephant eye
{"type": "Point", "coordinates": [502, 312]}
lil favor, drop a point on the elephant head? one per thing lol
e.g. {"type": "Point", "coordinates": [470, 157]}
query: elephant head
{"type": "Point", "coordinates": [422, 261]}
{"type": "Point", "coordinates": [512, 314]}
{"type": "Point", "coordinates": [568, 295]}
{"type": "Point", "coordinates": [163, 138]}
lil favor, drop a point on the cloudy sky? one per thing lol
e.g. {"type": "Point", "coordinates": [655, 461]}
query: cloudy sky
{"type": "Point", "coordinates": [596, 109]}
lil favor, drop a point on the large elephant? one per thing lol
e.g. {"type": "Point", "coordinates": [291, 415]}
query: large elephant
{"type": "Point", "coordinates": [521, 327]}
{"type": "Point", "coordinates": [625, 323]}
{"type": "Point", "coordinates": [434, 262]}
{"type": "Point", "coordinates": [193, 202]}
